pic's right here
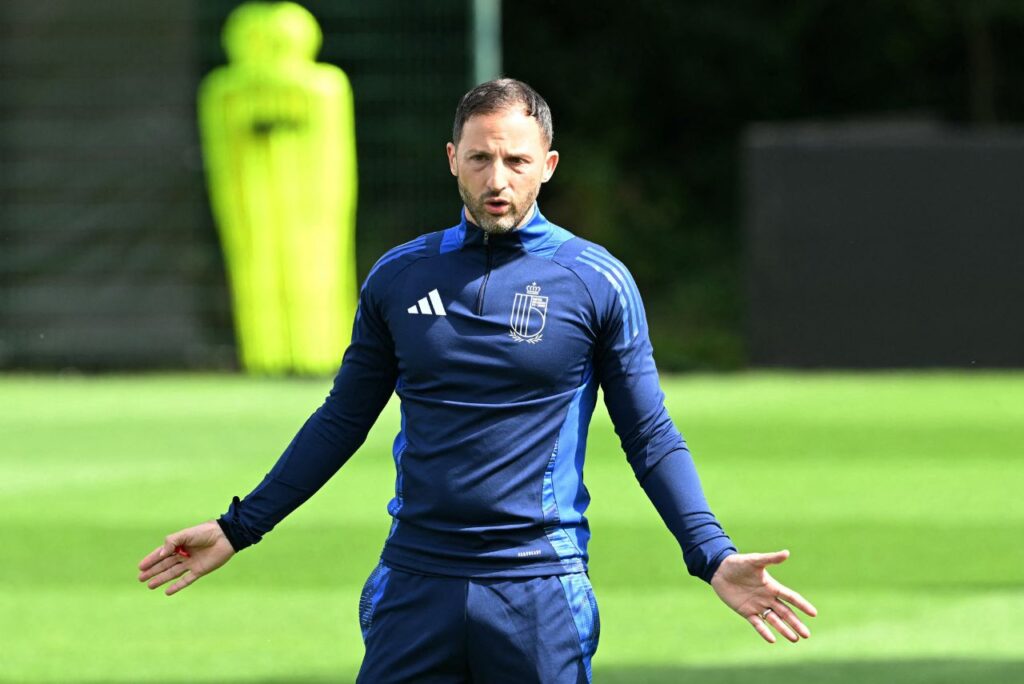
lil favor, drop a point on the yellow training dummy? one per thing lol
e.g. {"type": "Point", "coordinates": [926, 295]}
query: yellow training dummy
{"type": "Point", "coordinates": [279, 146]}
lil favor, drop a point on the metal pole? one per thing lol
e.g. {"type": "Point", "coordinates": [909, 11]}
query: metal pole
{"type": "Point", "coordinates": [486, 40]}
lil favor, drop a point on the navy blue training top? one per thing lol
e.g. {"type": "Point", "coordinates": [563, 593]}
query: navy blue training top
{"type": "Point", "coordinates": [496, 345]}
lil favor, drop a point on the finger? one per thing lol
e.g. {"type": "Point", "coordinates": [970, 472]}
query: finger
{"type": "Point", "coordinates": [173, 572]}
{"type": "Point", "coordinates": [791, 619]}
{"type": "Point", "coordinates": [790, 596]}
{"type": "Point", "coordinates": [780, 626]}
{"type": "Point", "coordinates": [182, 583]}
{"type": "Point", "coordinates": [762, 628]}
{"type": "Point", "coordinates": [166, 549]}
{"type": "Point", "coordinates": [159, 567]}
{"type": "Point", "coordinates": [773, 558]}
{"type": "Point", "coordinates": [151, 558]}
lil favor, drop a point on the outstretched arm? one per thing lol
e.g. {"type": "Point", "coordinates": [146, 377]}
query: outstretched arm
{"type": "Point", "coordinates": [743, 583]}
{"type": "Point", "coordinates": [326, 441]}
{"type": "Point", "coordinates": [662, 464]}
{"type": "Point", "coordinates": [654, 448]}
{"type": "Point", "coordinates": [331, 435]}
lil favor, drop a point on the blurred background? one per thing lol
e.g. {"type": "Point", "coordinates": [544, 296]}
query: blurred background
{"type": "Point", "coordinates": [821, 184]}
{"type": "Point", "coordinates": [817, 185]}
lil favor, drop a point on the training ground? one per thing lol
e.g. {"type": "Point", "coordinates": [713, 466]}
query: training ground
{"type": "Point", "coordinates": [901, 497]}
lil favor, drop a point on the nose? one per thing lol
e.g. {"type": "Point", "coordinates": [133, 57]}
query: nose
{"type": "Point", "coordinates": [497, 179]}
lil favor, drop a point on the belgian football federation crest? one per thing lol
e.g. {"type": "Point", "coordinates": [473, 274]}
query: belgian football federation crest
{"type": "Point", "coordinates": [529, 314]}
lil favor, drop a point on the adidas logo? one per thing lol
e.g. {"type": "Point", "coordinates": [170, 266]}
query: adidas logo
{"type": "Point", "coordinates": [423, 306]}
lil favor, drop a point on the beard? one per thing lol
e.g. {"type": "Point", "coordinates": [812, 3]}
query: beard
{"type": "Point", "coordinates": [496, 224]}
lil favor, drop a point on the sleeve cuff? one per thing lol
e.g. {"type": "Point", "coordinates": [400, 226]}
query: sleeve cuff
{"type": "Point", "coordinates": [226, 529]}
{"type": "Point", "coordinates": [712, 566]}
{"type": "Point", "coordinates": [238, 533]}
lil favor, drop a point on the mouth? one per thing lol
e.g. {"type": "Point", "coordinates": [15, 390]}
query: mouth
{"type": "Point", "coordinates": [497, 206]}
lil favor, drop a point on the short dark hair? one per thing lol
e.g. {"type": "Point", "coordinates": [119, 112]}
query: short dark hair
{"type": "Point", "coordinates": [501, 94]}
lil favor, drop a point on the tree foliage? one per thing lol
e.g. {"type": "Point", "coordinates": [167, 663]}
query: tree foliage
{"type": "Point", "coordinates": [651, 98]}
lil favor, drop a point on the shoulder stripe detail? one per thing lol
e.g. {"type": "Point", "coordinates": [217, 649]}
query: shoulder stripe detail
{"type": "Point", "coordinates": [622, 273]}
{"type": "Point", "coordinates": [400, 251]}
{"type": "Point", "coordinates": [627, 278]}
{"type": "Point", "coordinates": [618, 288]}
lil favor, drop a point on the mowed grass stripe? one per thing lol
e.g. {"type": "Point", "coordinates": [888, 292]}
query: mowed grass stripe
{"type": "Point", "coordinates": [896, 492]}
{"type": "Point", "coordinates": [217, 634]}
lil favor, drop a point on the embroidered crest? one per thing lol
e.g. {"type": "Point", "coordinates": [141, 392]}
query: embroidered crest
{"type": "Point", "coordinates": [529, 314]}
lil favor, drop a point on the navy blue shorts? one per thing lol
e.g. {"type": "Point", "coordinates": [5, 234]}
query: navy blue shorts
{"type": "Point", "coordinates": [422, 629]}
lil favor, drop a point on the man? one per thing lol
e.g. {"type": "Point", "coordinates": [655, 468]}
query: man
{"type": "Point", "coordinates": [495, 333]}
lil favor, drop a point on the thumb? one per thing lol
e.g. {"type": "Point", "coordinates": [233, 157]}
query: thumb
{"type": "Point", "coordinates": [773, 558]}
{"type": "Point", "coordinates": [171, 542]}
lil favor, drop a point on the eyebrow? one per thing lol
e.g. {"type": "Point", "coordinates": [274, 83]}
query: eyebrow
{"type": "Point", "coordinates": [519, 155]}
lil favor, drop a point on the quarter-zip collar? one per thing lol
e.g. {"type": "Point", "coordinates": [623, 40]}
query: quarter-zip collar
{"type": "Point", "coordinates": [520, 238]}
{"type": "Point", "coordinates": [539, 236]}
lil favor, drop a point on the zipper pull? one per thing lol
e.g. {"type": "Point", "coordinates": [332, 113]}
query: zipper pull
{"type": "Point", "coordinates": [487, 239]}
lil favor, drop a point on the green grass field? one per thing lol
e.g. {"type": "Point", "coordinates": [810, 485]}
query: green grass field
{"type": "Point", "coordinates": [899, 495]}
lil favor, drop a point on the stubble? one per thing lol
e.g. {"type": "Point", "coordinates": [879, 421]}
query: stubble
{"type": "Point", "coordinates": [495, 224]}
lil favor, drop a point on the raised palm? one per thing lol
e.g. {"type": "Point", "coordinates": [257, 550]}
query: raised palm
{"type": "Point", "coordinates": [743, 583]}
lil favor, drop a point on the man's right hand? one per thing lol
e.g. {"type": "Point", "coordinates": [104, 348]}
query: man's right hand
{"type": "Point", "coordinates": [207, 550]}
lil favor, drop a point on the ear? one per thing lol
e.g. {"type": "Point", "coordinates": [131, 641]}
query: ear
{"type": "Point", "coordinates": [453, 162]}
{"type": "Point", "coordinates": [550, 162]}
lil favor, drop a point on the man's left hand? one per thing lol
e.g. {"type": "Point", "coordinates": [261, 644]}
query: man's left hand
{"type": "Point", "coordinates": [743, 583]}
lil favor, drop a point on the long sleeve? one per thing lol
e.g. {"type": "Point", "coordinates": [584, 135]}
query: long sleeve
{"type": "Point", "coordinates": [329, 437]}
{"type": "Point", "coordinates": [654, 447]}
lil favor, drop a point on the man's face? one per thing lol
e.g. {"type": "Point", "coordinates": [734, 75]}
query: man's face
{"type": "Point", "coordinates": [500, 163]}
